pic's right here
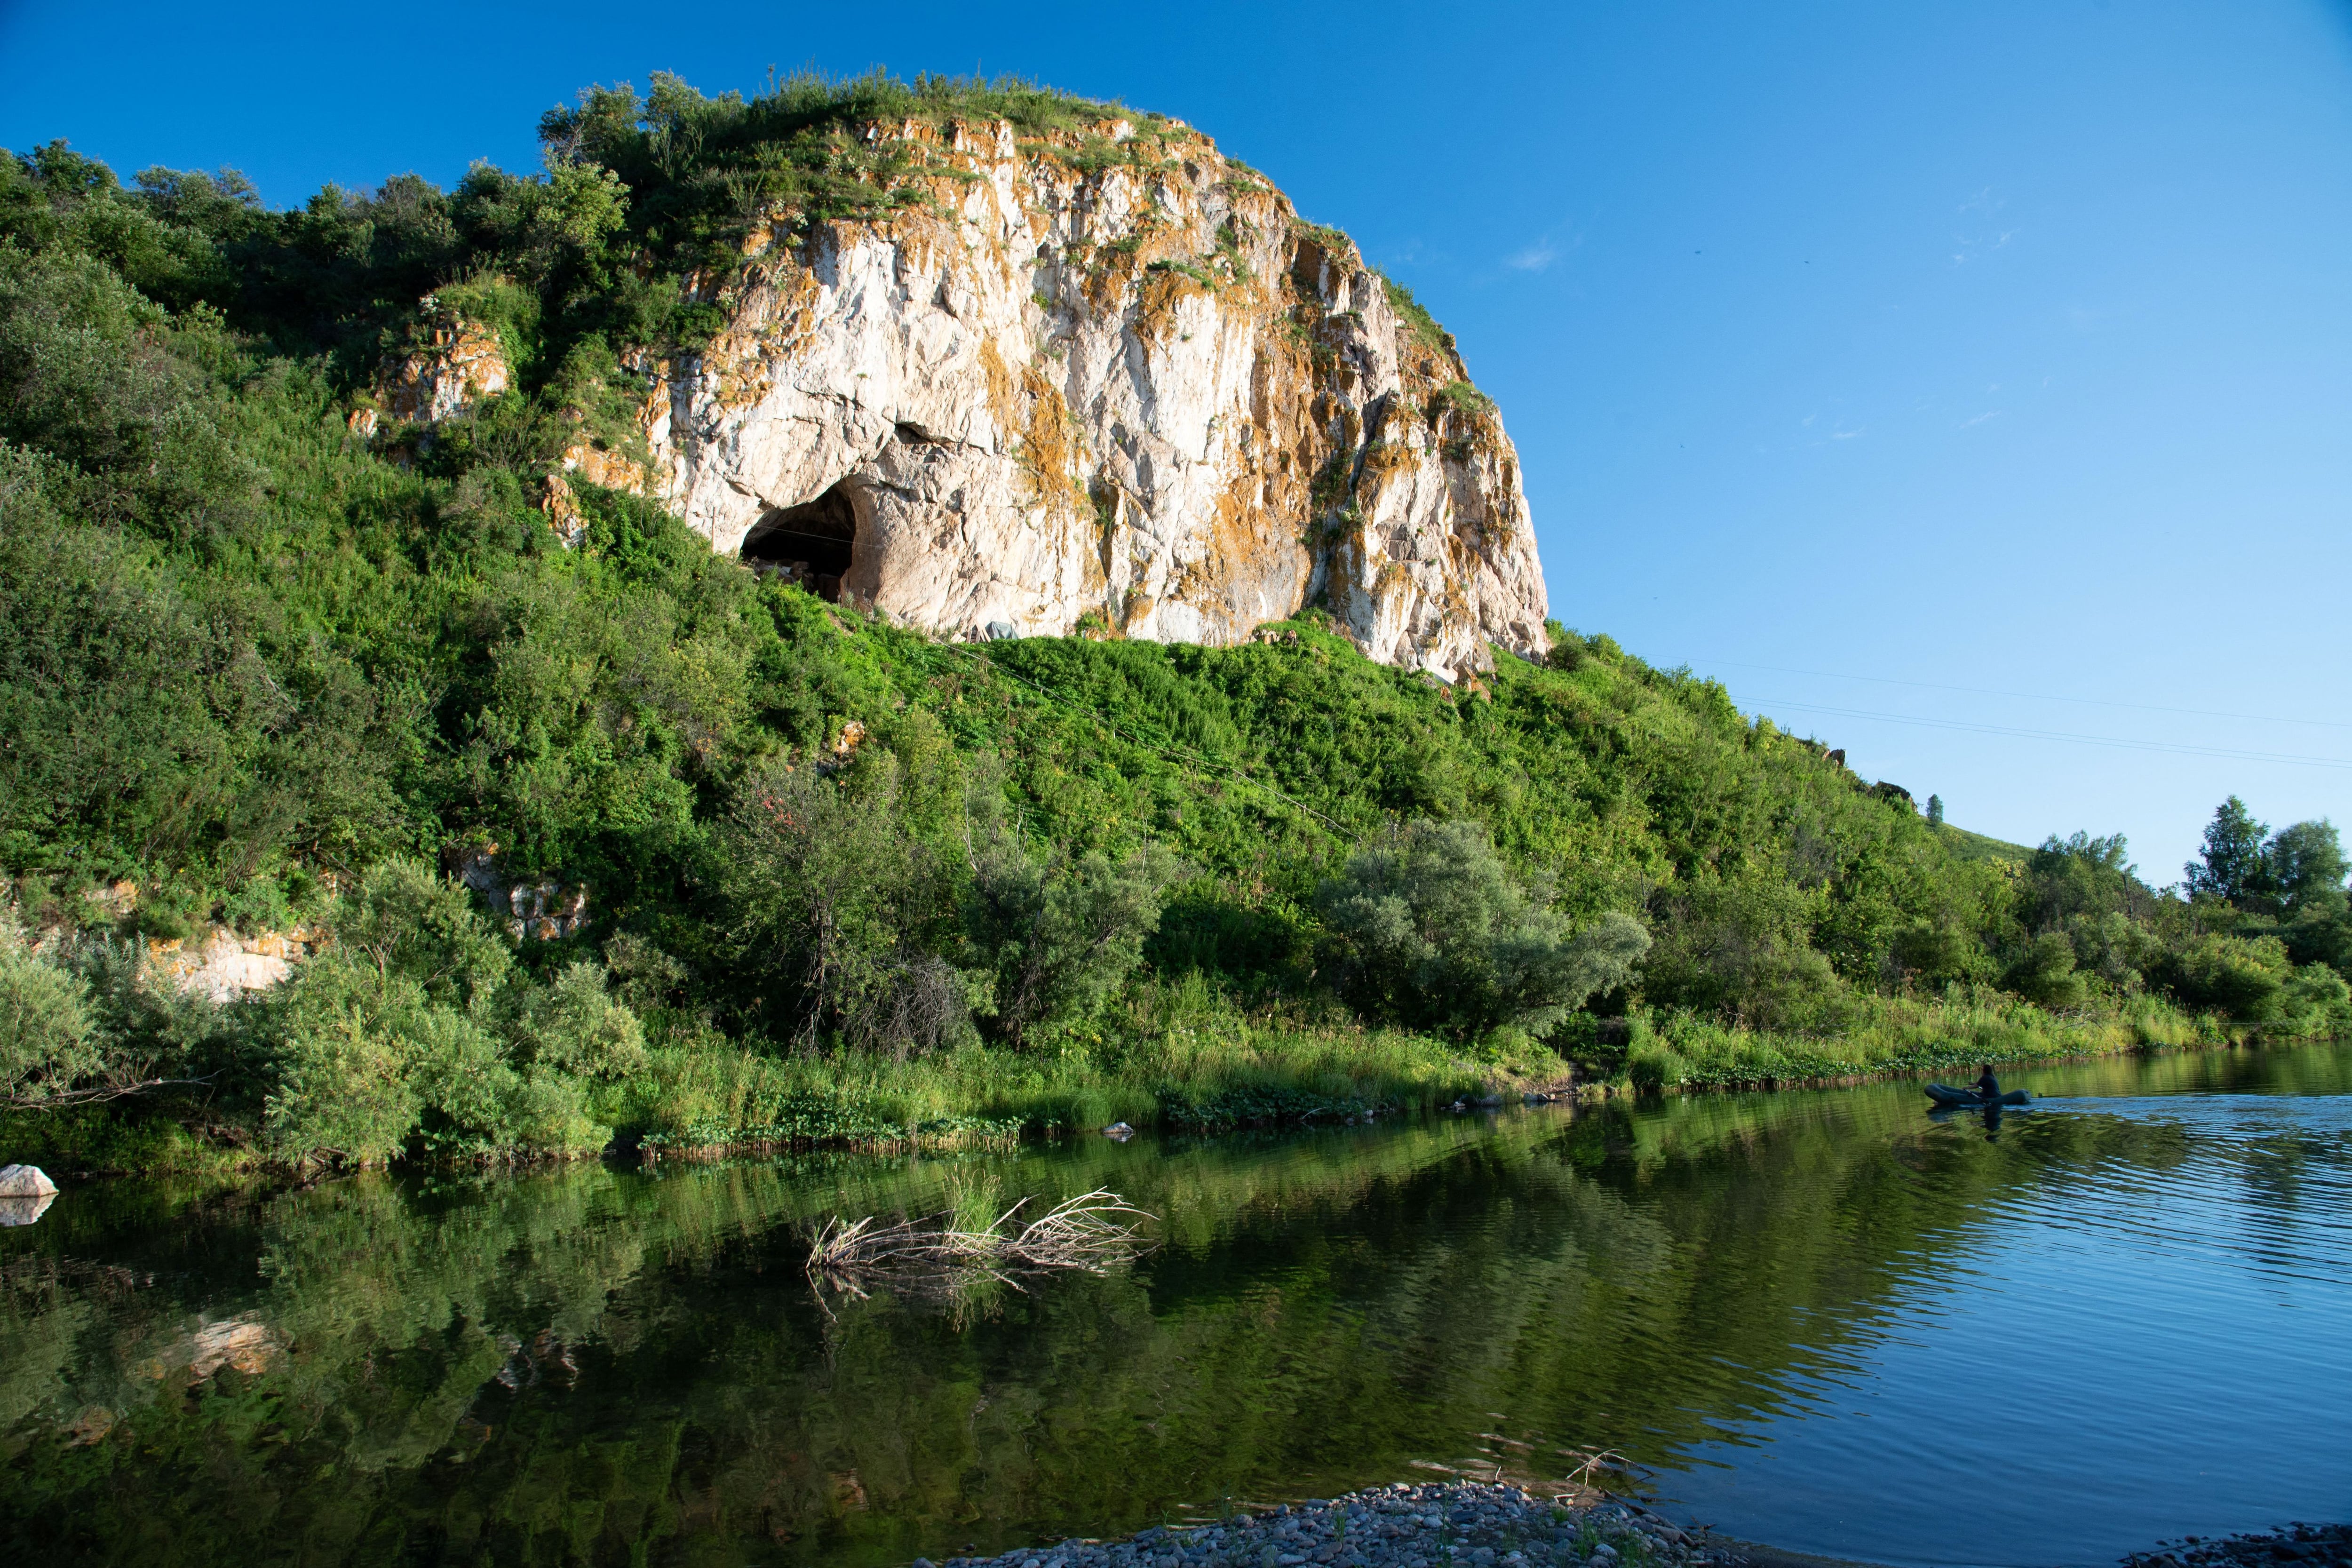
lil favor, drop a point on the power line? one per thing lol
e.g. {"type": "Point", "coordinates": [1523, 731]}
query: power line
{"type": "Point", "coordinates": [2173, 748]}
{"type": "Point", "coordinates": [2035, 696]}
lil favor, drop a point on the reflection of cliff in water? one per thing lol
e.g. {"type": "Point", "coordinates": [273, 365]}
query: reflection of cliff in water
{"type": "Point", "coordinates": [432, 1364]}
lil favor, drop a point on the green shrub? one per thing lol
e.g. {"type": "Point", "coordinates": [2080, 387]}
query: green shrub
{"type": "Point", "coordinates": [50, 1045]}
{"type": "Point", "coordinates": [410, 922]}
{"type": "Point", "coordinates": [576, 1026]}
{"type": "Point", "coordinates": [836, 912]}
{"type": "Point", "coordinates": [1058, 937]}
{"type": "Point", "coordinates": [1439, 933]}
{"type": "Point", "coordinates": [2044, 973]}
{"type": "Point", "coordinates": [1652, 1068]}
{"type": "Point", "coordinates": [347, 1038]}
{"type": "Point", "coordinates": [2237, 976]}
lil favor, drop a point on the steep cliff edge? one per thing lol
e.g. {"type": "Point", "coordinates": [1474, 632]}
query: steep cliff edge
{"type": "Point", "coordinates": [1094, 379]}
{"type": "Point", "coordinates": [1143, 393]}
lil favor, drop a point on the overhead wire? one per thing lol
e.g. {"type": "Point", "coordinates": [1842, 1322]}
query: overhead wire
{"type": "Point", "coordinates": [2034, 696]}
{"type": "Point", "coordinates": [2115, 741]}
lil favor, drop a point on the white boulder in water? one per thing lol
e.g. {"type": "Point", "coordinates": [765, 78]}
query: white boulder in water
{"type": "Point", "coordinates": [26, 1182]}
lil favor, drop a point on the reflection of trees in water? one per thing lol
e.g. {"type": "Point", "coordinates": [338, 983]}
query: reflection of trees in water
{"type": "Point", "coordinates": [584, 1362]}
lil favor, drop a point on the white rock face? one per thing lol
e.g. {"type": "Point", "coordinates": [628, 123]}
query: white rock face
{"type": "Point", "coordinates": [26, 1182]}
{"type": "Point", "coordinates": [1066, 393]}
{"type": "Point", "coordinates": [225, 965]}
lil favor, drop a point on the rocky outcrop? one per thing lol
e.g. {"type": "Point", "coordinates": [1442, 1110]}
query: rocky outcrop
{"type": "Point", "coordinates": [534, 908]}
{"type": "Point", "coordinates": [224, 966]}
{"type": "Point", "coordinates": [1086, 380]}
{"type": "Point", "coordinates": [453, 361]}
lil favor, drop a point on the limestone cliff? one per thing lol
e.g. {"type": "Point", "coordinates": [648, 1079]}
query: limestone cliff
{"type": "Point", "coordinates": [1081, 381]}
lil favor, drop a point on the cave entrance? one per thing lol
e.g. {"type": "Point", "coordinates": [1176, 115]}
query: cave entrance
{"type": "Point", "coordinates": [812, 544]}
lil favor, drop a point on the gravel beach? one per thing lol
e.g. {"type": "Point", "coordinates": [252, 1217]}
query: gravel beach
{"type": "Point", "coordinates": [2320, 1544]}
{"type": "Point", "coordinates": [1404, 1526]}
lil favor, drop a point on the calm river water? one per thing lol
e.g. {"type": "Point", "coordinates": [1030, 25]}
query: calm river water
{"type": "Point", "coordinates": [1824, 1320]}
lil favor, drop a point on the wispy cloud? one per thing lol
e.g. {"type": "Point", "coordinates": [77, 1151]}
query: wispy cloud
{"type": "Point", "coordinates": [1538, 254]}
{"type": "Point", "coordinates": [1839, 430]}
{"type": "Point", "coordinates": [1982, 239]}
{"type": "Point", "coordinates": [1988, 414]}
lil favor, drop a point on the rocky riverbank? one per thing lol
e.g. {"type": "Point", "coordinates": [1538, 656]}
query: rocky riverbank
{"type": "Point", "coordinates": [2327, 1545]}
{"type": "Point", "coordinates": [1397, 1527]}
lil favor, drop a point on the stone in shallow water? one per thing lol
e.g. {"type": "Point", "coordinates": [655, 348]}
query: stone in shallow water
{"type": "Point", "coordinates": [26, 1182]}
{"type": "Point", "coordinates": [24, 1211]}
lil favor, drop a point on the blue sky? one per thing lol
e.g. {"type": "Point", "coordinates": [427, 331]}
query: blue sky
{"type": "Point", "coordinates": [1964, 383]}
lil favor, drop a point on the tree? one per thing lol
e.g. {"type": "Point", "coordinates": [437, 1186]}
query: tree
{"type": "Point", "coordinates": [2232, 867]}
{"type": "Point", "coordinates": [2303, 867]}
{"type": "Point", "coordinates": [2081, 875]}
{"type": "Point", "coordinates": [1935, 811]}
{"type": "Point", "coordinates": [1056, 936]}
{"type": "Point", "coordinates": [836, 911]}
{"type": "Point", "coordinates": [1441, 934]}
{"type": "Point", "coordinates": [49, 1046]}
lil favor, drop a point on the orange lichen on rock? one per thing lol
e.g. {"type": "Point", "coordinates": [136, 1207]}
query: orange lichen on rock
{"type": "Point", "coordinates": [1219, 414]}
{"type": "Point", "coordinates": [458, 361]}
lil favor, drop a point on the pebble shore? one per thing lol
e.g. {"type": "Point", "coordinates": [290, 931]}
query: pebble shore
{"type": "Point", "coordinates": [2317, 1544]}
{"type": "Point", "coordinates": [1406, 1526]}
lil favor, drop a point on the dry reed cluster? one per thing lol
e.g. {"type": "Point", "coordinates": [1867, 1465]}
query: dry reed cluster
{"type": "Point", "coordinates": [1093, 1231]}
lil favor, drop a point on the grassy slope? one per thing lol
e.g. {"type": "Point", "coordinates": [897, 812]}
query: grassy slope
{"type": "Point", "coordinates": [1966, 846]}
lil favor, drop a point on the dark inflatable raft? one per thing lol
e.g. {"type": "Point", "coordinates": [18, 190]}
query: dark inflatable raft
{"type": "Point", "coordinates": [1944, 1094]}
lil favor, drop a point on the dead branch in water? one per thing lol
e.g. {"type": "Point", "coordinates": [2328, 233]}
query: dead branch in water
{"type": "Point", "coordinates": [1090, 1232]}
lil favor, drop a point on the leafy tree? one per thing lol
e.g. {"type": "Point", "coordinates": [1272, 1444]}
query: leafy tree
{"type": "Point", "coordinates": [1935, 811]}
{"type": "Point", "coordinates": [411, 923]}
{"type": "Point", "coordinates": [49, 1046]}
{"type": "Point", "coordinates": [83, 1019]}
{"type": "Point", "coordinates": [576, 1025]}
{"type": "Point", "coordinates": [1058, 935]}
{"type": "Point", "coordinates": [1742, 950]}
{"type": "Point", "coordinates": [2083, 875]}
{"type": "Point", "coordinates": [1439, 932]}
{"type": "Point", "coordinates": [2045, 973]}
{"type": "Point", "coordinates": [835, 914]}
{"type": "Point", "coordinates": [2243, 977]}
{"type": "Point", "coordinates": [2231, 865]}
{"type": "Point", "coordinates": [2304, 869]}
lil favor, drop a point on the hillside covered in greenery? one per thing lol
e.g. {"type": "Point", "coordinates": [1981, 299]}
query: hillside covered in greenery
{"type": "Point", "coordinates": [842, 879]}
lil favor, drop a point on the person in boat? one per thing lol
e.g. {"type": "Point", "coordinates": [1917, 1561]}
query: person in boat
{"type": "Point", "coordinates": [1987, 1085]}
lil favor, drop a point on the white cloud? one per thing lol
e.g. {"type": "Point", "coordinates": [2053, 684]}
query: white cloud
{"type": "Point", "coordinates": [1988, 414]}
{"type": "Point", "coordinates": [1534, 259]}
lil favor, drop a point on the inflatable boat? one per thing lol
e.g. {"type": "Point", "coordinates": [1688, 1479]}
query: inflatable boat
{"type": "Point", "coordinates": [1944, 1094]}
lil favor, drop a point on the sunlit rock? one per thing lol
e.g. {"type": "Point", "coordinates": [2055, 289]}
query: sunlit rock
{"type": "Point", "coordinates": [1068, 393]}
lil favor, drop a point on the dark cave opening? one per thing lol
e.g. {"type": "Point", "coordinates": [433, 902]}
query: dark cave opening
{"type": "Point", "coordinates": [812, 544]}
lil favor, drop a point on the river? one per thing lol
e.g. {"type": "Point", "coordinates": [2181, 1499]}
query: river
{"type": "Point", "coordinates": [1823, 1319]}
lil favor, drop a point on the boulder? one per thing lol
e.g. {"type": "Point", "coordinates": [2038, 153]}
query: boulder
{"type": "Point", "coordinates": [26, 1182]}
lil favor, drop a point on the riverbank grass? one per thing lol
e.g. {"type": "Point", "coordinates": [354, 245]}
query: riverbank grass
{"type": "Point", "coordinates": [1884, 1036]}
{"type": "Point", "coordinates": [1200, 1077]}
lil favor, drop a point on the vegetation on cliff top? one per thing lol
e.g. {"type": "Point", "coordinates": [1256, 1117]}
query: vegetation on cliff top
{"type": "Point", "coordinates": [842, 878]}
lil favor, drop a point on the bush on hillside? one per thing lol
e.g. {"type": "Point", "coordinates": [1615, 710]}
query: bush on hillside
{"type": "Point", "coordinates": [50, 1045]}
{"type": "Point", "coordinates": [1057, 936]}
{"type": "Point", "coordinates": [1440, 935]}
{"type": "Point", "coordinates": [837, 912]}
